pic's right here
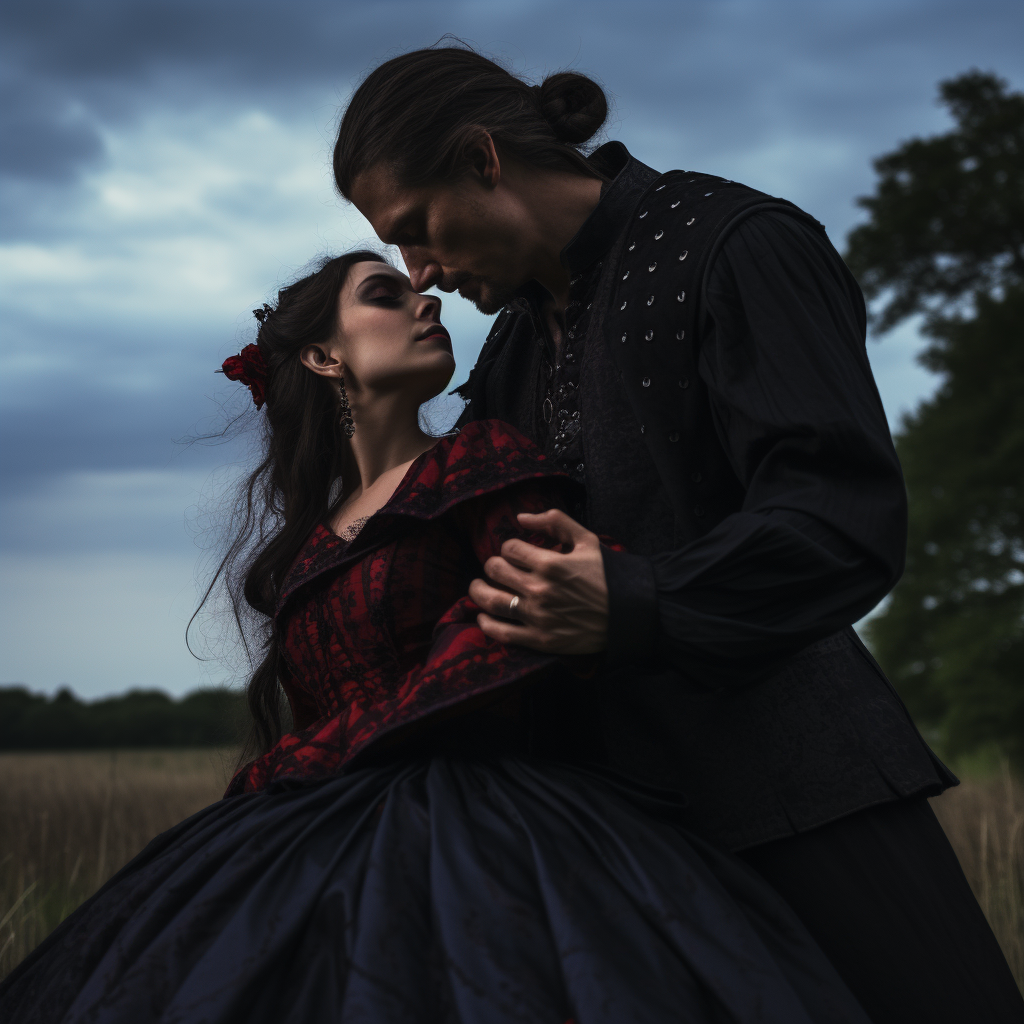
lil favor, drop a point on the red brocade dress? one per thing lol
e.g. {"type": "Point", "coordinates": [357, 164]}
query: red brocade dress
{"type": "Point", "coordinates": [416, 850]}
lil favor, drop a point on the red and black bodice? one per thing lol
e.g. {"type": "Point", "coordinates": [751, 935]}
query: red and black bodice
{"type": "Point", "coordinates": [377, 635]}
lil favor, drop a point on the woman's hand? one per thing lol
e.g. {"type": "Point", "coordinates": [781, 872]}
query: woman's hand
{"type": "Point", "coordinates": [563, 596]}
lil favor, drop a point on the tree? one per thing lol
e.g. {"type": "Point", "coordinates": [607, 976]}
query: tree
{"type": "Point", "coordinates": [946, 239]}
{"type": "Point", "coordinates": [139, 718]}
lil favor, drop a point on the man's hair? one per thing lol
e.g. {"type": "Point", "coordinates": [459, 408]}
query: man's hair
{"type": "Point", "coordinates": [417, 113]}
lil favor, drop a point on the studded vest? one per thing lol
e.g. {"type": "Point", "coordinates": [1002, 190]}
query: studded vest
{"type": "Point", "coordinates": [643, 303]}
{"type": "Point", "coordinates": [822, 736]}
{"type": "Point", "coordinates": [653, 296]}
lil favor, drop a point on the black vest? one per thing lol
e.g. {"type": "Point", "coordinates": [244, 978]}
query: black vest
{"type": "Point", "coordinates": [823, 734]}
{"type": "Point", "coordinates": [654, 296]}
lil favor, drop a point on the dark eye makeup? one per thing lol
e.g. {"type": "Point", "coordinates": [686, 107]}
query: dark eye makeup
{"type": "Point", "coordinates": [378, 288]}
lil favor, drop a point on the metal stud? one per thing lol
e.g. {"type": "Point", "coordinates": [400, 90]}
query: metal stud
{"type": "Point", "coordinates": [675, 204]}
{"type": "Point", "coordinates": [658, 234]}
{"type": "Point", "coordinates": [644, 214]}
{"type": "Point", "coordinates": [579, 467]}
{"type": "Point", "coordinates": [623, 306]}
{"type": "Point", "coordinates": [572, 334]}
{"type": "Point", "coordinates": [680, 335]}
{"type": "Point", "coordinates": [681, 297]}
{"type": "Point", "coordinates": [683, 255]}
{"type": "Point", "coordinates": [706, 194]}
{"type": "Point", "coordinates": [674, 436]}
{"type": "Point", "coordinates": [652, 268]}
{"type": "Point", "coordinates": [690, 221]}
{"type": "Point", "coordinates": [624, 336]}
{"type": "Point", "coordinates": [632, 247]}
{"type": "Point", "coordinates": [643, 429]}
{"type": "Point", "coordinates": [646, 382]}
{"type": "Point", "coordinates": [625, 275]}
{"type": "Point", "coordinates": [650, 300]}
{"type": "Point", "coordinates": [649, 336]}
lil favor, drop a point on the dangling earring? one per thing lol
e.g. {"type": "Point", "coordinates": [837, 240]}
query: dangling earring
{"type": "Point", "coordinates": [345, 421]}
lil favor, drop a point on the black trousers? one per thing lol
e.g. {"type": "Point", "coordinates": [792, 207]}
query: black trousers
{"type": "Point", "coordinates": [886, 899]}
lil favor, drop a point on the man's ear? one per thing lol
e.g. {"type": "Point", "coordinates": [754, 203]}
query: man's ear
{"type": "Point", "coordinates": [321, 361]}
{"type": "Point", "coordinates": [481, 156]}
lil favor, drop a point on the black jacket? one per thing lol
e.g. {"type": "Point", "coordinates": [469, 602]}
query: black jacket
{"type": "Point", "coordinates": [714, 395]}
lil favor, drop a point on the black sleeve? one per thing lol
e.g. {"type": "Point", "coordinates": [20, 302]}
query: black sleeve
{"type": "Point", "coordinates": [821, 536]}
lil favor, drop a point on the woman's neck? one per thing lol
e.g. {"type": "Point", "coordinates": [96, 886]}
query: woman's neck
{"type": "Point", "coordinates": [387, 436]}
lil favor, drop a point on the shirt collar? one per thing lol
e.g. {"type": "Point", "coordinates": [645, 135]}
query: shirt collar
{"type": "Point", "coordinates": [628, 180]}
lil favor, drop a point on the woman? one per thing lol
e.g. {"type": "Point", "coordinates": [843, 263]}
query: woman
{"type": "Point", "coordinates": [411, 848]}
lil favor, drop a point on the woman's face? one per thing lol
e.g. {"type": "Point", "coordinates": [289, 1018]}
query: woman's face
{"type": "Point", "coordinates": [389, 338]}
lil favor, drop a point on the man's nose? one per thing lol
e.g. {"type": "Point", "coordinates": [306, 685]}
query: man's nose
{"type": "Point", "coordinates": [424, 272]}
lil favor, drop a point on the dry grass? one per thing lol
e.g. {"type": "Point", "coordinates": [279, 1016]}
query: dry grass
{"type": "Point", "coordinates": [984, 820]}
{"type": "Point", "coordinates": [68, 821]}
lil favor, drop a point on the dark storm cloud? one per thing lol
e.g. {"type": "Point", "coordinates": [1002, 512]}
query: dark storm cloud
{"type": "Point", "coordinates": [730, 72]}
{"type": "Point", "coordinates": [44, 137]}
{"type": "Point", "coordinates": [110, 431]}
{"type": "Point", "coordinates": [72, 65]}
{"type": "Point", "coordinates": [258, 42]}
{"type": "Point", "coordinates": [713, 85]}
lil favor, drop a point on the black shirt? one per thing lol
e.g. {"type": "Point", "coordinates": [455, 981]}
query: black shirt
{"type": "Point", "coordinates": [732, 673]}
{"type": "Point", "coordinates": [820, 537]}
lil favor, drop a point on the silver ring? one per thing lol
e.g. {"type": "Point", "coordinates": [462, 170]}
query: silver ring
{"type": "Point", "coordinates": [512, 606]}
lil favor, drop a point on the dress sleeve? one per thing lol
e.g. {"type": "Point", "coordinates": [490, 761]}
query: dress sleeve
{"type": "Point", "coordinates": [821, 535]}
{"type": "Point", "coordinates": [464, 666]}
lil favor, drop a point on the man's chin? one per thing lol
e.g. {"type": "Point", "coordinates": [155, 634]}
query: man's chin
{"type": "Point", "coordinates": [486, 298]}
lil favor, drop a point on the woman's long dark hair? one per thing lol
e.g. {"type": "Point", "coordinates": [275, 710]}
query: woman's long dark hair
{"type": "Point", "coordinates": [416, 113]}
{"type": "Point", "coordinates": [304, 455]}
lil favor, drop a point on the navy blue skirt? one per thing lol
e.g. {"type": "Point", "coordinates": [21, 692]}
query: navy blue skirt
{"type": "Point", "coordinates": [433, 890]}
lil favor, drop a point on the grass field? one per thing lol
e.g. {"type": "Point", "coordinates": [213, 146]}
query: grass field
{"type": "Point", "coordinates": [68, 821]}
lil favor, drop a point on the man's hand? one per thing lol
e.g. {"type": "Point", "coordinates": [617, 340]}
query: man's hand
{"type": "Point", "coordinates": [563, 596]}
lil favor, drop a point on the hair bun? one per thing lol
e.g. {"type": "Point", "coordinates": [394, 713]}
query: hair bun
{"type": "Point", "coordinates": [574, 105]}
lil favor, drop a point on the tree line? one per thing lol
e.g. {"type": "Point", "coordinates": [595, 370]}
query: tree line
{"type": "Point", "coordinates": [139, 718]}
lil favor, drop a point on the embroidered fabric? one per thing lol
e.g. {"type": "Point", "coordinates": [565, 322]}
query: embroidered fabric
{"type": "Point", "coordinates": [377, 633]}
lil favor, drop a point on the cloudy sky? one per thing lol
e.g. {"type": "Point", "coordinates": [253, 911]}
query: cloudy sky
{"type": "Point", "coordinates": [164, 168]}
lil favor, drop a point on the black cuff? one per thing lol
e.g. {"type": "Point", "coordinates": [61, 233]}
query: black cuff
{"type": "Point", "coordinates": [632, 606]}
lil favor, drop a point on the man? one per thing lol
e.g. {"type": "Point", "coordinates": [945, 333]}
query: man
{"type": "Point", "coordinates": [693, 352]}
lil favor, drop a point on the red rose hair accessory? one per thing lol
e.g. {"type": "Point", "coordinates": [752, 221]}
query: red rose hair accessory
{"type": "Point", "coordinates": [249, 368]}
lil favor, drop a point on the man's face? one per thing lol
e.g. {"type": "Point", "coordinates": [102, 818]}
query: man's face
{"type": "Point", "coordinates": [463, 235]}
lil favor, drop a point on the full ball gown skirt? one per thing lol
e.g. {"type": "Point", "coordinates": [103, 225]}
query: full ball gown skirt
{"type": "Point", "coordinates": [432, 889]}
{"type": "Point", "coordinates": [373, 867]}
